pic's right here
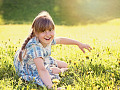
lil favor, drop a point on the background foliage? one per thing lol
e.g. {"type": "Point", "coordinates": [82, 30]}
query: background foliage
{"type": "Point", "coordinates": [67, 12]}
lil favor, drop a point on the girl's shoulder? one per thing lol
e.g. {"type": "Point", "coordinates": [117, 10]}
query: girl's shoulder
{"type": "Point", "coordinates": [33, 42]}
{"type": "Point", "coordinates": [33, 46]}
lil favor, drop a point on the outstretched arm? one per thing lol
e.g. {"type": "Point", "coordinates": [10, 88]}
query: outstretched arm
{"type": "Point", "coordinates": [68, 41]}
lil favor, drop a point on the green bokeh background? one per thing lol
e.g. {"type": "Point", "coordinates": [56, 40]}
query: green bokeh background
{"type": "Point", "coordinates": [63, 12]}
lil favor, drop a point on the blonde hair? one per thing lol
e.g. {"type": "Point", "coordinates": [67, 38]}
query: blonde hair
{"type": "Point", "coordinates": [42, 22]}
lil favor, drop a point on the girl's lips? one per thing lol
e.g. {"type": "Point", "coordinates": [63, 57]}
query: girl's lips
{"type": "Point", "coordinates": [47, 38]}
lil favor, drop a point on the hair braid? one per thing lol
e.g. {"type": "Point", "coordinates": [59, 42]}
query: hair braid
{"type": "Point", "coordinates": [24, 44]}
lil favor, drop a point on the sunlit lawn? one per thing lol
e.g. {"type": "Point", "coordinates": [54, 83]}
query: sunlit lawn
{"type": "Point", "coordinates": [98, 69]}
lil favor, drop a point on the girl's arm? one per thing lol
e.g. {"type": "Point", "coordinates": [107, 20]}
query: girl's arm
{"type": "Point", "coordinates": [43, 73]}
{"type": "Point", "coordinates": [68, 41]}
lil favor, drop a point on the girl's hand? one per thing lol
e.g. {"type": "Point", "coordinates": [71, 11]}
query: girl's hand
{"type": "Point", "coordinates": [55, 70]}
{"type": "Point", "coordinates": [86, 46]}
{"type": "Point", "coordinates": [63, 69]}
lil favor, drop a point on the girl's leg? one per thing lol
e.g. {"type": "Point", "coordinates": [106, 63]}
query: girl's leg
{"type": "Point", "coordinates": [61, 64]}
{"type": "Point", "coordinates": [56, 70]}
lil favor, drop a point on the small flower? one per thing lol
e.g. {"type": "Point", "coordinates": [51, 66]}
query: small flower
{"type": "Point", "coordinates": [87, 57]}
{"type": "Point", "coordinates": [107, 85]}
{"type": "Point", "coordinates": [33, 78]}
{"type": "Point", "coordinates": [93, 47]}
{"type": "Point", "coordinates": [119, 62]}
{"type": "Point", "coordinates": [91, 60]}
{"type": "Point", "coordinates": [5, 43]}
{"type": "Point", "coordinates": [112, 74]}
{"type": "Point", "coordinates": [69, 61]}
{"type": "Point", "coordinates": [55, 81]}
{"type": "Point", "coordinates": [9, 39]}
{"type": "Point", "coordinates": [87, 73]}
{"type": "Point", "coordinates": [97, 55]}
{"type": "Point", "coordinates": [118, 59]}
{"type": "Point", "coordinates": [82, 60]}
{"type": "Point", "coordinates": [90, 69]}
{"type": "Point", "coordinates": [112, 66]}
{"type": "Point", "coordinates": [75, 63]}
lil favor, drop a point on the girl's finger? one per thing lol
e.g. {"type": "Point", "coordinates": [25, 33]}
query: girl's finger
{"type": "Point", "coordinates": [88, 50]}
{"type": "Point", "coordinates": [90, 47]}
{"type": "Point", "coordinates": [65, 69]}
{"type": "Point", "coordinates": [83, 50]}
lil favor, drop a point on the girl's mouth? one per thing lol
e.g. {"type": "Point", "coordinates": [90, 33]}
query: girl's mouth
{"type": "Point", "coordinates": [47, 38]}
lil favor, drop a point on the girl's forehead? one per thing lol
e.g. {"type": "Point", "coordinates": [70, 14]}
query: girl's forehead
{"type": "Point", "coordinates": [45, 30]}
{"type": "Point", "coordinates": [49, 29]}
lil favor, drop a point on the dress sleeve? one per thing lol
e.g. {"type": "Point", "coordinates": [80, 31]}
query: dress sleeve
{"type": "Point", "coordinates": [35, 52]}
{"type": "Point", "coordinates": [53, 42]}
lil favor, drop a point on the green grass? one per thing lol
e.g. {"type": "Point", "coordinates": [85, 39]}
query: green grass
{"type": "Point", "coordinates": [98, 69]}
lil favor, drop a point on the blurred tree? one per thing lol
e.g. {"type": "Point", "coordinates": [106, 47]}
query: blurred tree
{"type": "Point", "coordinates": [68, 12]}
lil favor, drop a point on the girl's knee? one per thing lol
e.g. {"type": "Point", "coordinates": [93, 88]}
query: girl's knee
{"type": "Point", "coordinates": [61, 64]}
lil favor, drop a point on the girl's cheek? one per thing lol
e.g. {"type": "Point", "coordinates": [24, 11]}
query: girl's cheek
{"type": "Point", "coordinates": [42, 34]}
{"type": "Point", "coordinates": [53, 33]}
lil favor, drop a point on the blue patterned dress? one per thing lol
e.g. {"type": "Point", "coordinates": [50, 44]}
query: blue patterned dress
{"type": "Point", "coordinates": [27, 68]}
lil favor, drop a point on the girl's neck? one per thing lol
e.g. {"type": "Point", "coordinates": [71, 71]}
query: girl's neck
{"type": "Point", "coordinates": [44, 45]}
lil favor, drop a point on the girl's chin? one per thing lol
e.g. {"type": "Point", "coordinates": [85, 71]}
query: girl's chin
{"type": "Point", "coordinates": [47, 42]}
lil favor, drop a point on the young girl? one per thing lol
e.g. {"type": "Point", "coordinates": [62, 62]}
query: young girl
{"type": "Point", "coordinates": [33, 60]}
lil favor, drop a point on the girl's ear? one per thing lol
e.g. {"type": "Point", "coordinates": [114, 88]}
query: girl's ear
{"type": "Point", "coordinates": [36, 34]}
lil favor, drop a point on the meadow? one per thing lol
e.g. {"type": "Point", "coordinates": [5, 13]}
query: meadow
{"type": "Point", "coordinates": [95, 70]}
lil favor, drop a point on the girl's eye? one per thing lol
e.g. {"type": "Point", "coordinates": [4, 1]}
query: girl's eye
{"type": "Point", "coordinates": [51, 30]}
{"type": "Point", "coordinates": [44, 31]}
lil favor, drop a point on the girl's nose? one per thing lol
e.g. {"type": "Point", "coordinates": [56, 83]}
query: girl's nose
{"type": "Point", "coordinates": [47, 33]}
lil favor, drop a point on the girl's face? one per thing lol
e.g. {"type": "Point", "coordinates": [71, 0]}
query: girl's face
{"type": "Point", "coordinates": [46, 37]}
